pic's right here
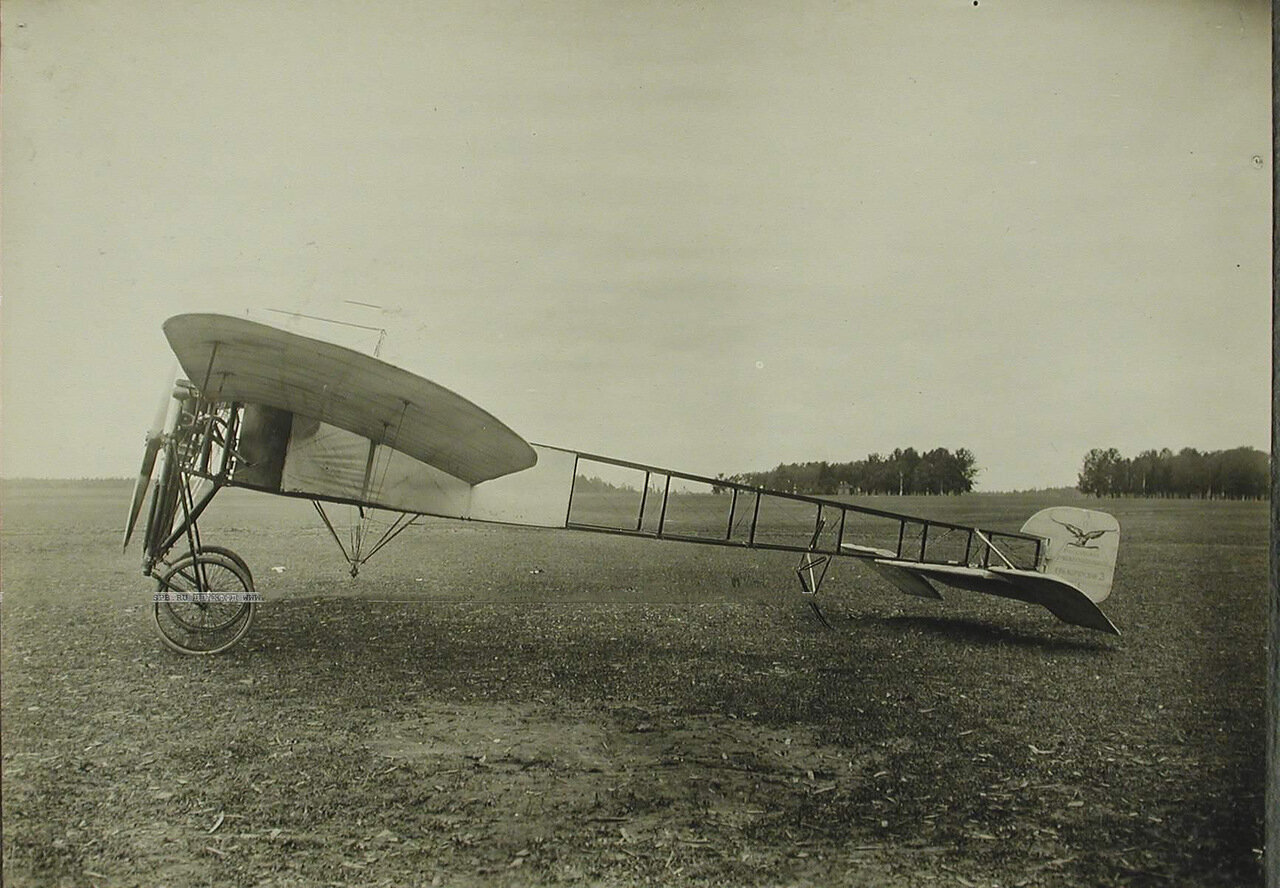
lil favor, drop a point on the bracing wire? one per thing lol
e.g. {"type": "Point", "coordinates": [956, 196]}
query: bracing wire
{"type": "Point", "coordinates": [379, 464]}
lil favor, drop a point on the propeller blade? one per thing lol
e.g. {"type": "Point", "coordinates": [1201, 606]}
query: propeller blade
{"type": "Point", "coordinates": [140, 485]}
{"type": "Point", "coordinates": [155, 435]}
{"type": "Point", "coordinates": [162, 410]}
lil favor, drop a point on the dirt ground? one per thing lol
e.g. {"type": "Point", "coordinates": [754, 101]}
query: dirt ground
{"type": "Point", "coordinates": [493, 706]}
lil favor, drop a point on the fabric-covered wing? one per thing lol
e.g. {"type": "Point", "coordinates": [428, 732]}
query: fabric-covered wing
{"type": "Point", "coordinates": [233, 359]}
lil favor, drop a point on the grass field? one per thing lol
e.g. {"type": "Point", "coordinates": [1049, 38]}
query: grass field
{"type": "Point", "coordinates": [499, 706]}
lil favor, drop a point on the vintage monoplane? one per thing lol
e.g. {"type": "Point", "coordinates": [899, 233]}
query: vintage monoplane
{"type": "Point", "coordinates": [282, 413]}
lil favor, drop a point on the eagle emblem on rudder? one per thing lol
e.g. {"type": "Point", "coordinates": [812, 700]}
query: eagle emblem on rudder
{"type": "Point", "coordinates": [1082, 537]}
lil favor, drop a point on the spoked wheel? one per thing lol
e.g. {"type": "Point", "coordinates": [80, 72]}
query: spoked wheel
{"type": "Point", "coordinates": [204, 604]}
{"type": "Point", "coordinates": [239, 562]}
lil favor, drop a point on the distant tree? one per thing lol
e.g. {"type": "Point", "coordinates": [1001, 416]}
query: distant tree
{"type": "Point", "coordinates": [905, 463]}
{"type": "Point", "coordinates": [595, 484]}
{"type": "Point", "coordinates": [1189, 475]}
{"type": "Point", "coordinates": [1143, 480]}
{"type": "Point", "coordinates": [964, 471]}
{"type": "Point", "coordinates": [880, 473]}
{"type": "Point", "coordinates": [1099, 471]}
{"type": "Point", "coordinates": [937, 471]}
{"type": "Point", "coordinates": [927, 475]}
{"type": "Point", "coordinates": [1240, 473]}
{"type": "Point", "coordinates": [940, 471]}
{"type": "Point", "coordinates": [1164, 473]}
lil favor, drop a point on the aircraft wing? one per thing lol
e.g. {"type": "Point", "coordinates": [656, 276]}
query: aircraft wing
{"type": "Point", "coordinates": [236, 360]}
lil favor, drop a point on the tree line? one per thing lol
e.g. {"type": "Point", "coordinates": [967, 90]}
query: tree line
{"type": "Point", "coordinates": [1241, 473]}
{"type": "Point", "coordinates": [937, 471]}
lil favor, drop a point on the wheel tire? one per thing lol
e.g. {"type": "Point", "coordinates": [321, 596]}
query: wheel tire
{"type": "Point", "coordinates": [196, 627]}
{"type": "Point", "coordinates": [240, 562]}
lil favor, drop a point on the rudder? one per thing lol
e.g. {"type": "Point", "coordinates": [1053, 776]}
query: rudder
{"type": "Point", "coordinates": [1082, 547]}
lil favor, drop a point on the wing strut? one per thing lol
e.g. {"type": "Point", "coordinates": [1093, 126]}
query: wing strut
{"type": "Point", "coordinates": [355, 557]}
{"type": "Point", "coordinates": [324, 516]}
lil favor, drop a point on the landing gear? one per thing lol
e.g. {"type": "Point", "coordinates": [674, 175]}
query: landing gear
{"type": "Point", "coordinates": [204, 602]}
{"type": "Point", "coordinates": [812, 570]}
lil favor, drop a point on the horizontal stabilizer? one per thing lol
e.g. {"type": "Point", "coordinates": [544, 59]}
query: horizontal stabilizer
{"type": "Point", "coordinates": [1064, 600]}
{"type": "Point", "coordinates": [904, 580]}
{"type": "Point", "coordinates": [907, 581]}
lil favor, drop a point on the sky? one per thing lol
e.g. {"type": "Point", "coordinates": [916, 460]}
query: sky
{"type": "Point", "coordinates": [708, 236]}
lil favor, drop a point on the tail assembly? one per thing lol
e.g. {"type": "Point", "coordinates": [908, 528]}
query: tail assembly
{"type": "Point", "coordinates": [1082, 547]}
{"type": "Point", "coordinates": [1074, 570]}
